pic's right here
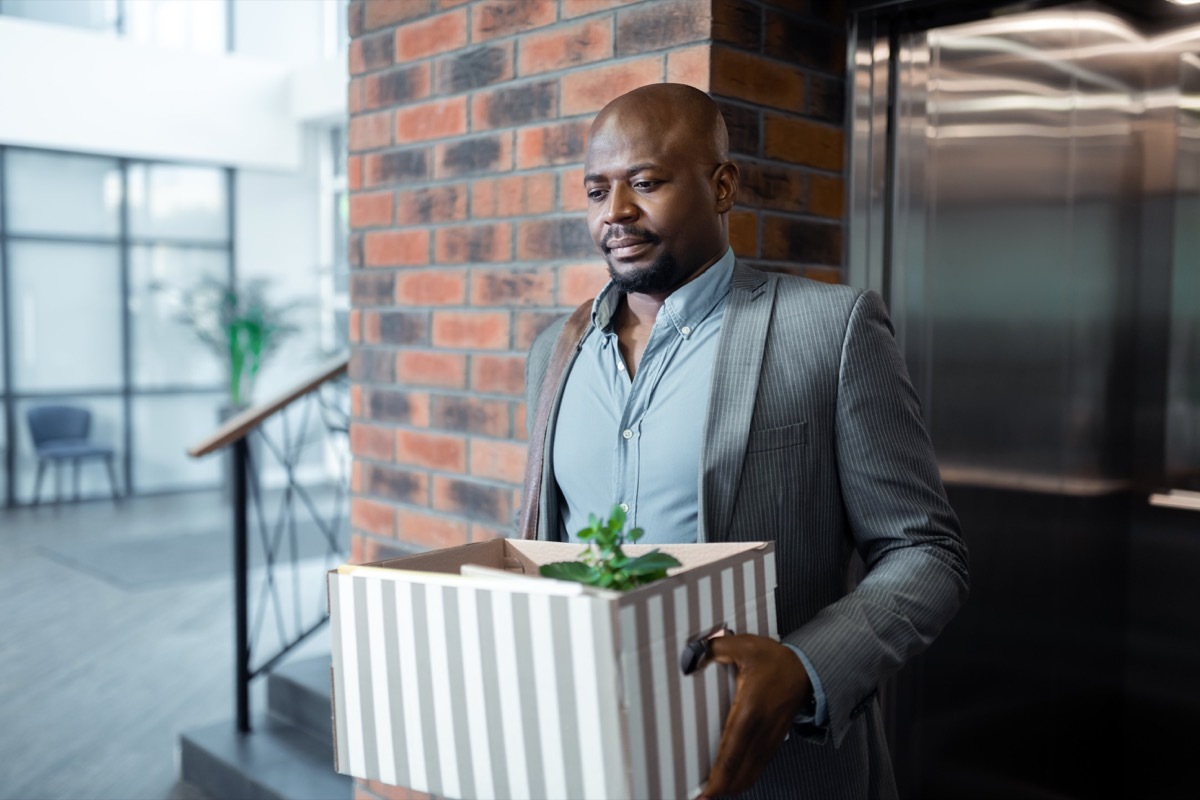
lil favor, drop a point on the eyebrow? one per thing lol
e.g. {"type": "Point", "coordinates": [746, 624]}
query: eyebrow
{"type": "Point", "coordinates": [629, 173]}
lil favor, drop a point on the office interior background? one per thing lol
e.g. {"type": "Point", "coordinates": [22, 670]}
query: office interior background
{"type": "Point", "coordinates": [1019, 181]}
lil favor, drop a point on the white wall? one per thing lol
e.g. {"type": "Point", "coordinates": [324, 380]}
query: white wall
{"type": "Point", "coordinates": [76, 90]}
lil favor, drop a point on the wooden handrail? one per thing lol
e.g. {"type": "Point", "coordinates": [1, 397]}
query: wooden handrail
{"type": "Point", "coordinates": [239, 426]}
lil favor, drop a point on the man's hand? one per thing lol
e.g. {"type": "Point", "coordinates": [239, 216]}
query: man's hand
{"type": "Point", "coordinates": [772, 686]}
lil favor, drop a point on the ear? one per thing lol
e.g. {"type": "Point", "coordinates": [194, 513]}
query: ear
{"type": "Point", "coordinates": [725, 182]}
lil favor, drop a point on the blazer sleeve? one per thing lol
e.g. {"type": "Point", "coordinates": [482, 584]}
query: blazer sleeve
{"type": "Point", "coordinates": [902, 524]}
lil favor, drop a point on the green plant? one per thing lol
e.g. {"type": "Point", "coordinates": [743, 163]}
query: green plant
{"type": "Point", "coordinates": [604, 563]}
{"type": "Point", "coordinates": [238, 324]}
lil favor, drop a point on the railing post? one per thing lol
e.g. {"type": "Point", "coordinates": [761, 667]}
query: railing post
{"type": "Point", "coordinates": [241, 577]}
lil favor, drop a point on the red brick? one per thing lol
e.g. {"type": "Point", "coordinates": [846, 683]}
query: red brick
{"type": "Point", "coordinates": [772, 185]}
{"type": "Point", "coordinates": [356, 477]}
{"type": "Point", "coordinates": [451, 3]}
{"type": "Point", "coordinates": [826, 196]}
{"type": "Point", "coordinates": [590, 90]}
{"type": "Point", "coordinates": [562, 143]}
{"type": "Point", "coordinates": [580, 282]}
{"type": "Point", "coordinates": [486, 533]}
{"type": "Point", "coordinates": [498, 374]}
{"type": "Point", "coordinates": [431, 287]}
{"type": "Point", "coordinates": [755, 79]}
{"type": "Point", "coordinates": [369, 132]}
{"type": "Point", "coordinates": [582, 43]}
{"type": "Point", "coordinates": [515, 196]}
{"type": "Point", "coordinates": [382, 13]}
{"type": "Point", "coordinates": [572, 196]}
{"type": "Point", "coordinates": [354, 58]}
{"type": "Point", "coordinates": [509, 106]}
{"type": "Point", "coordinates": [471, 415]}
{"type": "Point", "coordinates": [354, 95]}
{"type": "Point", "coordinates": [577, 8]}
{"type": "Point", "coordinates": [354, 18]}
{"type": "Point", "coordinates": [823, 274]}
{"type": "Point", "coordinates": [427, 530]}
{"type": "Point", "coordinates": [474, 156]}
{"type": "Point", "coordinates": [354, 173]}
{"type": "Point", "coordinates": [691, 65]}
{"type": "Point", "coordinates": [739, 23]}
{"type": "Point", "coordinates": [471, 330]}
{"type": "Point", "coordinates": [519, 432]}
{"type": "Point", "coordinates": [802, 142]}
{"type": "Point", "coordinates": [432, 35]}
{"type": "Point", "coordinates": [370, 53]}
{"type": "Point", "coordinates": [396, 86]}
{"type": "Point", "coordinates": [370, 210]}
{"type": "Point", "coordinates": [509, 287]}
{"type": "Point", "coordinates": [354, 326]}
{"type": "Point", "coordinates": [801, 241]}
{"type": "Point", "coordinates": [426, 368]}
{"type": "Point", "coordinates": [501, 461]}
{"type": "Point", "coordinates": [477, 501]}
{"type": "Point", "coordinates": [743, 233]}
{"type": "Point", "coordinates": [529, 324]}
{"type": "Point", "coordinates": [371, 441]}
{"type": "Point", "coordinates": [436, 120]}
{"type": "Point", "coordinates": [396, 248]}
{"type": "Point", "coordinates": [372, 517]}
{"type": "Point", "coordinates": [474, 244]}
{"type": "Point", "coordinates": [356, 402]}
{"type": "Point", "coordinates": [432, 204]}
{"type": "Point", "coordinates": [495, 18]}
{"type": "Point", "coordinates": [364, 549]}
{"type": "Point", "coordinates": [432, 451]}
{"type": "Point", "coordinates": [559, 238]}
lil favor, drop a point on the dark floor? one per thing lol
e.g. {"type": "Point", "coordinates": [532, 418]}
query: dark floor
{"type": "Point", "coordinates": [99, 675]}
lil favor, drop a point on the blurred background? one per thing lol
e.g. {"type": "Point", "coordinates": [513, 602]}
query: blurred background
{"type": "Point", "coordinates": [269, 269]}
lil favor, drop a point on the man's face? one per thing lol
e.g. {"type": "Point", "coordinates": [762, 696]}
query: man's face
{"type": "Point", "coordinates": [651, 205]}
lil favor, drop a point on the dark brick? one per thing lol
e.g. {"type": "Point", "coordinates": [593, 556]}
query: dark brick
{"type": "Point", "coordinates": [470, 415]}
{"type": "Point", "coordinates": [826, 98]}
{"type": "Point", "coordinates": [377, 50]}
{"type": "Point", "coordinates": [767, 185]}
{"type": "Point", "coordinates": [371, 289]}
{"type": "Point", "coordinates": [396, 484]}
{"type": "Point", "coordinates": [354, 250]}
{"type": "Point", "coordinates": [473, 500]}
{"type": "Point", "coordinates": [472, 155]}
{"type": "Point", "coordinates": [390, 406]}
{"type": "Point", "coordinates": [738, 23]}
{"type": "Point", "coordinates": [404, 327]}
{"type": "Point", "coordinates": [660, 25]}
{"type": "Point", "coordinates": [398, 166]}
{"type": "Point", "coordinates": [745, 128]}
{"type": "Point", "coordinates": [401, 85]}
{"type": "Point", "coordinates": [520, 104]}
{"type": "Point", "coordinates": [566, 237]}
{"type": "Point", "coordinates": [372, 366]}
{"type": "Point", "coordinates": [480, 66]}
{"type": "Point", "coordinates": [801, 241]}
{"type": "Point", "coordinates": [801, 42]}
{"type": "Point", "coordinates": [529, 325]}
{"type": "Point", "coordinates": [354, 18]}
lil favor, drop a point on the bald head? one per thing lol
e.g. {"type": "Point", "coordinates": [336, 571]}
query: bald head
{"type": "Point", "coordinates": [679, 115]}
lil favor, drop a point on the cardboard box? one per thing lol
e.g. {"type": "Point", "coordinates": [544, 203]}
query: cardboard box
{"type": "Point", "coordinates": [503, 684]}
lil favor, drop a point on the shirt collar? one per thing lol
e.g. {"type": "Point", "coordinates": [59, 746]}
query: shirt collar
{"type": "Point", "coordinates": [685, 308]}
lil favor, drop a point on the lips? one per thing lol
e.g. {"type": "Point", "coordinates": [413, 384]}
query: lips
{"type": "Point", "coordinates": [625, 247]}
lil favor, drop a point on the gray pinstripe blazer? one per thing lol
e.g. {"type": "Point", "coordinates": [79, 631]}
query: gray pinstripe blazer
{"type": "Point", "coordinates": [814, 439]}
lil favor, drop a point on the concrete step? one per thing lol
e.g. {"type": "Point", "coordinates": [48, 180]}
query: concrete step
{"type": "Point", "coordinates": [275, 761]}
{"type": "Point", "coordinates": [300, 694]}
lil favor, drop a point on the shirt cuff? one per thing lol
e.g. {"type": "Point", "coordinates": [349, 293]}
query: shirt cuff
{"type": "Point", "coordinates": [817, 715]}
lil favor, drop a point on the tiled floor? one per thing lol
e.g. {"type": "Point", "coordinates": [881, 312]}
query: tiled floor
{"type": "Point", "coordinates": [97, 680]}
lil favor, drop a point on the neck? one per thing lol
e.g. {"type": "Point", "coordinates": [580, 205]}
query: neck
{"type": "Point", "coordinates": [642, 308]}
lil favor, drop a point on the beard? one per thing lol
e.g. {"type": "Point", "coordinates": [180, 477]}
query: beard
{"type": "Point", "coordinates": [661, 276]}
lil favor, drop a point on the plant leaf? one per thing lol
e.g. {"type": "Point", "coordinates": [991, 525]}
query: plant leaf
{"type": "Point", "coordinates": [569, 571]}
{"type": "Point", "coordinates": [651, 562]}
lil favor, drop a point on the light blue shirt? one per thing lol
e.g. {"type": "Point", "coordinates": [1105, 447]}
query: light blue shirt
{"type": "Point", "coordinates": [636, 443]}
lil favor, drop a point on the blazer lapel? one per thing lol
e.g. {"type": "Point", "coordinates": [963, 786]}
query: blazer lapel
{"type": "Point", "coordinates": [731, 397]}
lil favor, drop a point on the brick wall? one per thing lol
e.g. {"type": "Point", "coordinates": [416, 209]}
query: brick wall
{"type": "Point", "coordinates": [467, 128]}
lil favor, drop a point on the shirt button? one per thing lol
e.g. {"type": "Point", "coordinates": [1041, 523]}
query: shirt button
{"type": "Point", "coordinates": [625, 507]}
{"type": "Point", "coordinates": [685, 330]}
{"type": "Point", "coordinates": [628, 434]}
{"type": "Point", "coordinates": [620, 367]}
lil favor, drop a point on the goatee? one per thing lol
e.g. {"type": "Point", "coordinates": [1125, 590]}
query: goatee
{"type": "Point", "coordinates": [657, 278]}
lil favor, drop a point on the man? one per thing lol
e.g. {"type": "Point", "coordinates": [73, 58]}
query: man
{"type": "Point", "coordinates": [719, 403]}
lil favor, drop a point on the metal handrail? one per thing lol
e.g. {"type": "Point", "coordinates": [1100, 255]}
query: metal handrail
{"type": "Point", "coordinates": [235, 434]}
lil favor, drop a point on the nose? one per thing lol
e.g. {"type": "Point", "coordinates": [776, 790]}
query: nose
{"type": "Point", "coordinates": [621, 207]}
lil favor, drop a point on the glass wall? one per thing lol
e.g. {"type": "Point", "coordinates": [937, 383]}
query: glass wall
{"type": "Point", "coordinates": [96, 256]}
{"type": "Point", "coordinates": [198, 26]}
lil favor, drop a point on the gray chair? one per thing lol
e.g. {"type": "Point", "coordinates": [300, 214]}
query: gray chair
{"type": "Point", "coordinates": [60, 433]}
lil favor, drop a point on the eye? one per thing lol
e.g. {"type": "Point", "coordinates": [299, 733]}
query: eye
{"type": "Point", "coordinates": [645, 185]}
{"type": "Point", "coordinates": [595, 194]}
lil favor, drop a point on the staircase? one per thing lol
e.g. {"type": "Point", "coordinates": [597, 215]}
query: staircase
{"type": "Point", "coordinates": [287, 756]}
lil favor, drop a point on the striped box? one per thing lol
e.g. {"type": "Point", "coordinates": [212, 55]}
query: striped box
{"type": "Point", "coordinates": [496, 683]}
